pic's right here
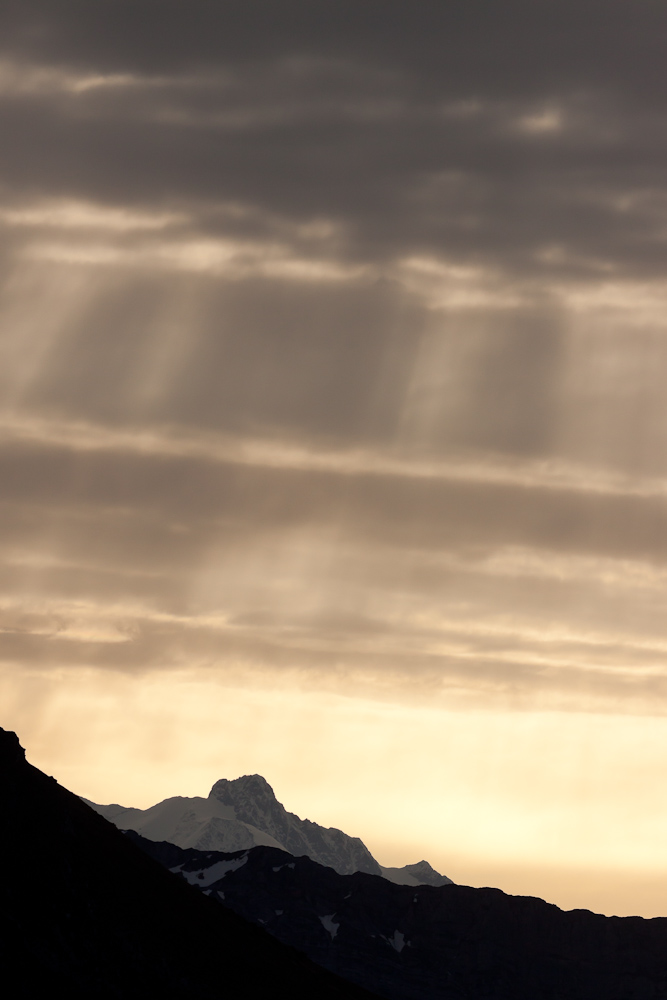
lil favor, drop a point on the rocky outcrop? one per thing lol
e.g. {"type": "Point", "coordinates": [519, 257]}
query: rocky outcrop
{"type": "Point", "coordinates": [254, 802]}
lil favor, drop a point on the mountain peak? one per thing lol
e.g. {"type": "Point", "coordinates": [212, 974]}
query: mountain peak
{"type": "Point", "coordinates": [254, 802]}
{"type": "Point", "coordinates": [420, 866]}
{"type": "Point", "coordinates": [242, 812]}
{"type": "Point", "coordinates": [426, 874]}
{"type": "Point", "coordinates": [227, 789]}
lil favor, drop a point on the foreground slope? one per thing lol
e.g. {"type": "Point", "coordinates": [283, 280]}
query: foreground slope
{"type": "Point", "coordinates": [430, 943]}
{"type": "Point", "coordinates": [84, 912]}
{"type": "Point", "coordinates": [244, 813]}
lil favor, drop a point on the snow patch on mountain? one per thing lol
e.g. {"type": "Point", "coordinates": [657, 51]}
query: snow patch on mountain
{"type": "Point", "coordinates": [207, 876]}
{"type": "Point", "coordinates": [330, 924]}
{"type": "Point", "coordinates": [397, 941]}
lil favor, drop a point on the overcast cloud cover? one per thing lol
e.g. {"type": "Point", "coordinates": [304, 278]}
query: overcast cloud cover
{"type": "Point", "coordinates": [333, 346]}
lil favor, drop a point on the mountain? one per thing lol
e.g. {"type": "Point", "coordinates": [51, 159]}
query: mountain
{"type": "Point", "coordinates": [85, 913]}
{"type": "Point", "coordinates": [245, 813]}
{"type": "Point", "coordinates": [420, 873]}
{"type": "Point", "coordinates": [431, 943]}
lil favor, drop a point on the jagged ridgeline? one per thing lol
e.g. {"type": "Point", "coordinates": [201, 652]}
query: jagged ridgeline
{"type": "Point", "coordinates": [245, 813]}
{"type": "Point", "coordinates": [85, 913]}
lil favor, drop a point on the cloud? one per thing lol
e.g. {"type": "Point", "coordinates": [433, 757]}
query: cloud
{"type": "Point", "coordinates": [332, 362]}
{"type": "Point", "coordinates": [291, 116]}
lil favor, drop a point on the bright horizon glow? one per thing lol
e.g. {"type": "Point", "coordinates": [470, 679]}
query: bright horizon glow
{"type": "Point", "coordinates": [366, 767]}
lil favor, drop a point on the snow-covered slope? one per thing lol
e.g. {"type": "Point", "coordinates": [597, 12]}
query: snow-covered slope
{"type": "Point", "coordinates": [206, 824]}
{"type": "Point", "coordinates": [245, 813]}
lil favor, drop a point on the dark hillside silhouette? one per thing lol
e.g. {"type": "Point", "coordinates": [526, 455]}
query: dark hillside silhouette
{"type": "Point", "coordinates": [432, 942]}
{"type": "Point", "coordinates": [86, 913]}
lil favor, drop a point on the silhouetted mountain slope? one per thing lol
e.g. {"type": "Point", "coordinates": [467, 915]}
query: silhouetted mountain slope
{"type": "Point", "coordinates": [86, 913]}
{"type": "Point", "coordinates": [433, 943]}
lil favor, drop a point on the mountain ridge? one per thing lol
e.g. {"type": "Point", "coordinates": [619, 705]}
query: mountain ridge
{"type": "Point", "coordinates": [85, 913]}
{"type": "Point", "coordinates": [449, 942]}
{"type": "Point", "coordinates": [242, 813]}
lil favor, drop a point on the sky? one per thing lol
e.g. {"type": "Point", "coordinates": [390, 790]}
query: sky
{"type": "Point", "coordinates": [333, 428]}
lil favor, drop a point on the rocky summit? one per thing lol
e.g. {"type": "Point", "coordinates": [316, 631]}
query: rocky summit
{"type": "Point", "coordinates": [254, 802]}
{"type": "Point", "coordinates": [244, 812]}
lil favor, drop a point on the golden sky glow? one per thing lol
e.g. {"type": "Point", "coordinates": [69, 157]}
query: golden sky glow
{"type": "Point", "coordinates": [333, 433]}
{"type": "Point", "coordinates": [503, 797]}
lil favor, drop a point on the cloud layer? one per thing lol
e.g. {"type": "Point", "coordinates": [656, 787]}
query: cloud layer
{"type": "Point", "coordinates": [333, 348]}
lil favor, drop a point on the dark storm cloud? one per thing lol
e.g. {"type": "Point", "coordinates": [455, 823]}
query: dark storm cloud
{"type": "Point", "coordinates": [397, 182]}
{"type": "Point", "coordinates": [486, 132]}
{"type": "Point", "coordinates": [333, 340]}
{"type": "Point", "coordinates": [472, 42]}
